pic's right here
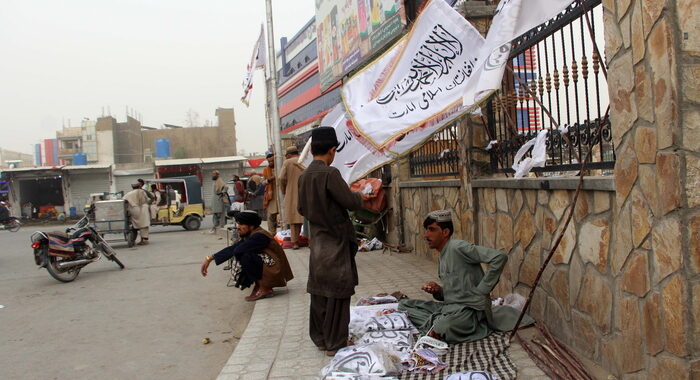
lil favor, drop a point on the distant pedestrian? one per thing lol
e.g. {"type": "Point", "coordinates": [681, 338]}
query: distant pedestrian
{"type": "Point", "coordinates": [138, 211]}
{"type": "Point", "coordinates": [219, 201]}
{"type": "Point", "coordinates": [255, 190]}
{"type": "Point", "coordinates": [324, 201]}
{"type": "Point", "coordinates": [270, 200]}
{"type": "Point", "coordinates": [155, 205]}
{"type": "Point", "coordinates": [239, 194]}
{"type": "Point", "coordinates": [289, 182]}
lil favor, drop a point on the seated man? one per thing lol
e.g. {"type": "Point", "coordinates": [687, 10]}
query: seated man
{"type": "Point", "coordinates": [464, 313]}
{"type": "Point", "coordinates": [262, 260]}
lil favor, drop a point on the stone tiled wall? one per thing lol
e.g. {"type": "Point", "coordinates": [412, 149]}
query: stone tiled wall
{"type": "Point", "coordinates": [652, 49]}
{"type": "Point", "coordinates": [624, 286]}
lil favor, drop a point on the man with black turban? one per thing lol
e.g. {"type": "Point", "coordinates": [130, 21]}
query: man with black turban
{"type": "Point", "coordinates": [259, 259]}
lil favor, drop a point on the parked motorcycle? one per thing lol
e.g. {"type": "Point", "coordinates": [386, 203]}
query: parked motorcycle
{"type": "Point", "coordinates": [65, 254]}
{"type": "Point", "coordinates": [12, 224]}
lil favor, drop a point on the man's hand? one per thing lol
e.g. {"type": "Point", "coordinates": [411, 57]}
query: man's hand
{"type": "Point", "coordinates": [431, 287]}
{"type": "Point", "coordinates": [205, 266]}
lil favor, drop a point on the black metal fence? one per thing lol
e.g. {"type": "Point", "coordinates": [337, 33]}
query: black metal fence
{"type": "Point", "coordinates": [438, 157]}
{"type": "Point", "coordinates": [555, 81]}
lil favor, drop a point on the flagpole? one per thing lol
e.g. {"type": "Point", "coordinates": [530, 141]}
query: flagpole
{"type": "Point", "coordinates": [274, 111]}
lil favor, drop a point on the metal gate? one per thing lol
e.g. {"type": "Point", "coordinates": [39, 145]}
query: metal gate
{"type": "Point", "coordinates": [83, 184]}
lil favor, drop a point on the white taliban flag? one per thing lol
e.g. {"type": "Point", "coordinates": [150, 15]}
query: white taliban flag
{"type": "Point", "coordinates": [421, 77]}
{"type": "Point", "coordinates": [437, 72]}
{"type": "Point", "coordinates": [353, 159]}
{"type": "Point", "coordinates": [257, 61]}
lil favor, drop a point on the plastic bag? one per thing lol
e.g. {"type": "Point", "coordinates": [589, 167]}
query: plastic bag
{"type": "Point", "coordinates": [424, 360]}
{"type": "Point", "coordinates": [376, 300]}
{"type": "Point", "coordinates": [370, 245]}
{"type": "Point", "coordinates": [363, 360]}
{"type": "Point", "coordinates": [514, 300]}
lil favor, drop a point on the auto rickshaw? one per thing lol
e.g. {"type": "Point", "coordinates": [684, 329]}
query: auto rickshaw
{"type": "Point", "coordinates": [181, 202]}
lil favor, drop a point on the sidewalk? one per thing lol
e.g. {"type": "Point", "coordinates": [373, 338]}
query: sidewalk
{"type": "Point", "coordinates": [276, 344]}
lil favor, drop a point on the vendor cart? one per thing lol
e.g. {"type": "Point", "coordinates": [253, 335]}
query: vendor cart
{"type": "Point", "coordinates": [112, 217]}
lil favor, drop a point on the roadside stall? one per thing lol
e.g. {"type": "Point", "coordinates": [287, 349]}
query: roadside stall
{"type": "Point", "coordinates": [36, 192]}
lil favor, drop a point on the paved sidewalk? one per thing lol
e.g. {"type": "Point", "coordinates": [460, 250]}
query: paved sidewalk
{"type": "Point", "coordinates": [276, 344]}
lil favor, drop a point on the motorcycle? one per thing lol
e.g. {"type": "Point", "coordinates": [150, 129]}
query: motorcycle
{"type": "Point", "coordinates": [12, 224]}
{"type": "Point", "coordinates": [65, 254]}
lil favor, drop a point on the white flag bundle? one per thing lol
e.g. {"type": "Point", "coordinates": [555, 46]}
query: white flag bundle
{"type": "Point", "coordinates": [257, 61]}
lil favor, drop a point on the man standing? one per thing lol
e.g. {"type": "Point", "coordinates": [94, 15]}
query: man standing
{"type": "Point", "coordinates": [219, 201]}
{"type": "Point", "coordinates": [270, 199]}
{"type": "Point", "coordinates": [324, 201]}
{"type": "Point", "coordinates": [260, 258]}
{"type": "Point", "coordinates": [138, 211]}
{"type": "Point", "coordinates": [464, 313]}
{"type": "Point", "coordinates": [289, 180]}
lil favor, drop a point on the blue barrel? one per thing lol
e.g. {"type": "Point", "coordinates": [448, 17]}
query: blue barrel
{"type": "Point", "coordinates": [162, 148]}
{"type": "Point", "coordinates": [72, 212]}
{"type": "Point", "coordinates": [80, 158]}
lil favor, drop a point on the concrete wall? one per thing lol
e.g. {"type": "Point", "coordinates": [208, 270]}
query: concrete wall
{"type": "Point", "coordinates": [9, 155]}
{"type": "Point", "coordinates": [195, 142]}
{"type": "Point", "coordinates": [128, 142]}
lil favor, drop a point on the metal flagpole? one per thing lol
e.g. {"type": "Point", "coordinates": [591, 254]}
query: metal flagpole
{"type": "Point", "coordinates": [274, 111]}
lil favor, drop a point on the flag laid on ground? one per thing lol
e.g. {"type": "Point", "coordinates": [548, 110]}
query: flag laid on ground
{"type": "Point", "coordinates": [257, 61]}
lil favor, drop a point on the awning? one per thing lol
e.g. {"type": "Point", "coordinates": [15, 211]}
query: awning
{"type": "Point", "coordinates": [255, 162]}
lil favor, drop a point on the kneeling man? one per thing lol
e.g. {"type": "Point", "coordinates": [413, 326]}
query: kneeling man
{"type": "Point", "coordinates": [464, 312]}
{"type": "Point", "coordinates": [262, 260]}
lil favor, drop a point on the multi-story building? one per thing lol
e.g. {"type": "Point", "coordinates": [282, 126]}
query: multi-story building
{"type": "Point", "coordinates": [302, 103]}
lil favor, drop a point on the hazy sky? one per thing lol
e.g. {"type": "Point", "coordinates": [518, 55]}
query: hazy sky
{"type": "Point", "coordinates": [69, 59]}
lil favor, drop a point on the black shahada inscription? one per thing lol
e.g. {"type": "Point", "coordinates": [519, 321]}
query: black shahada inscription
{"type": "Point", "coordinates": [438, 57]}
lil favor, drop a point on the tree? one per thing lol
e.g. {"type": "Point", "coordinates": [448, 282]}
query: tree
{"type": "Point", "coordinates": [192, 118]}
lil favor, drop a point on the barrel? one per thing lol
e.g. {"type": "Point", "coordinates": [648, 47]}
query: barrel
{"type": "Point", "coordinates": [162, 148]}
{"type": "Point", "coordinates": [80, 159]}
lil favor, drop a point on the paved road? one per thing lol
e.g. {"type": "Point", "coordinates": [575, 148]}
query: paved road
{"type": "Point", "coordinates": [146, 321]}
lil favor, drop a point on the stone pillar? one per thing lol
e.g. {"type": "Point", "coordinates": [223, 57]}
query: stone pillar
{"type": "Point", "coordinates": [653, 52]}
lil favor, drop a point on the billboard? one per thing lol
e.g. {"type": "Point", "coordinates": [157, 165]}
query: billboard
{"type": "Point", "coordinates": [349, 31]}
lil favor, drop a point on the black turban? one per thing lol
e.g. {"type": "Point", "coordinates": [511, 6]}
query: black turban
{"type": "Point", "coordinates": [248, 217]}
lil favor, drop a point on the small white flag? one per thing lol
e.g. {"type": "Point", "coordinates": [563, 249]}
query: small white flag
{"type": "Point", "coordinates": [257, 61]}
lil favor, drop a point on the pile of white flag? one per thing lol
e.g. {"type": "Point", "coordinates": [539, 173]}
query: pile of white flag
{"type": "Point", "coordinates": [441, 69]}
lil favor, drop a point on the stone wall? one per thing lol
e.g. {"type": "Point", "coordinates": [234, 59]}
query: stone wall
{"type": "Point", "coordinates": [653, 51]}
{"type": "Point", "coordinates": [623, 288]}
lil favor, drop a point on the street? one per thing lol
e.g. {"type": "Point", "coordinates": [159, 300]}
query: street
{"type": "Point", "coordinates": [146, 321]}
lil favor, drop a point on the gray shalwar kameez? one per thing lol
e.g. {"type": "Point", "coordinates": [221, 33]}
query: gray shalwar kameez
{"type": "Point", "coordinates": [465, 314]}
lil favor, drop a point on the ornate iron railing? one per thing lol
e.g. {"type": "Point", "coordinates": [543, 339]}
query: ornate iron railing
{"type": "Point", "coordinates": [555, 81]}
{"type": "Point", "coordinates": [438, 157]}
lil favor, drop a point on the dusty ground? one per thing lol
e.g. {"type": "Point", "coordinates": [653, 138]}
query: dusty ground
{"type": "Point", "coordinates": [146, 321]}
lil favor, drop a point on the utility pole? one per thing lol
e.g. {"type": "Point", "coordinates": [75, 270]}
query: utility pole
{"type": "Point", "coordinates": [274, 110]}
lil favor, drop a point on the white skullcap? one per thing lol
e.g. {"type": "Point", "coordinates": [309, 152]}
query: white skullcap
{"type": "Point", "coordinates": [440, 215]}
